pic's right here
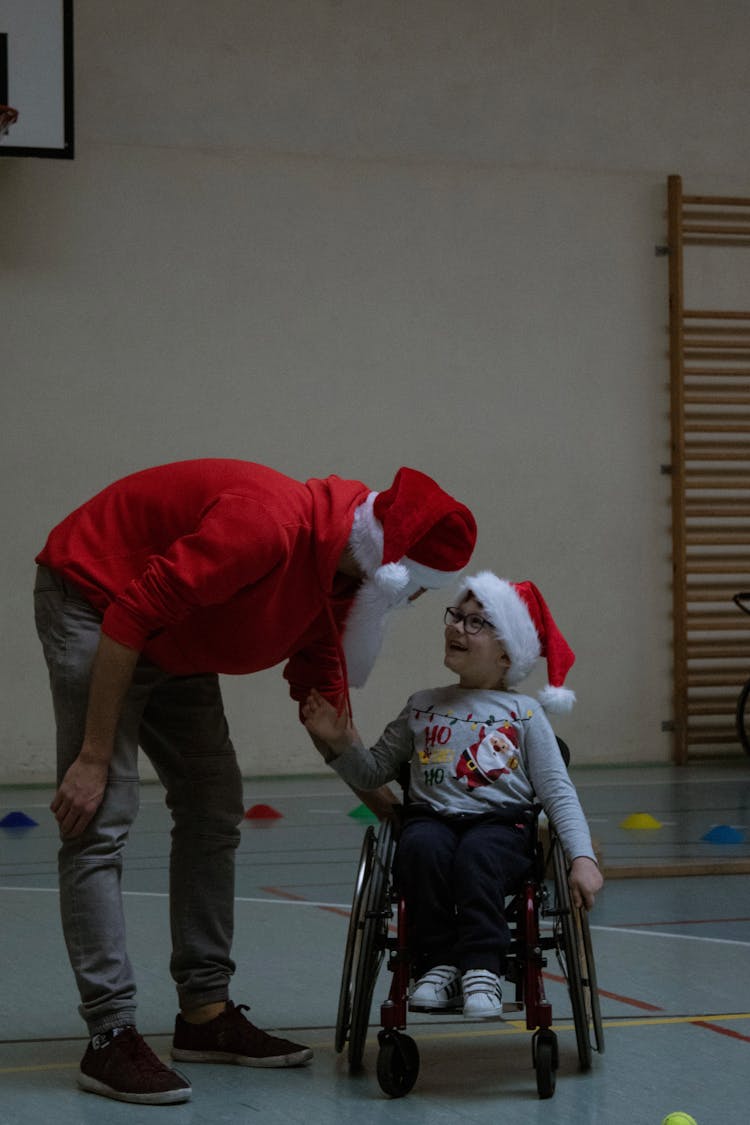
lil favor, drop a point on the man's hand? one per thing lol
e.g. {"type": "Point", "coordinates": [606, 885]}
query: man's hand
{"type": "Point", "coordinates": [80, 794]}
{"type": "Point", "coordinates": [82, 788]}
{"type": "Point", "coordinates": [585, 881]}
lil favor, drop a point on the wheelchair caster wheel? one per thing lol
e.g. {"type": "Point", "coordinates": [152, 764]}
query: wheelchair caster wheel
{"type": "Point", "coordinates": [398, 1064]}
{"type": "Point", "coordinates": [544, 1055]}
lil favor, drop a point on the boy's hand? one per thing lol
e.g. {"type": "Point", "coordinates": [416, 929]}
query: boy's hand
{"type": "Point", "coordinates": [325, 723]}
{"type": "Point", "coordinates": [585, 880]}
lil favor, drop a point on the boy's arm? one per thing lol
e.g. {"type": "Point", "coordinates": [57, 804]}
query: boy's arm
{"type": "Point", "coordinates": [558, 795]}
{"type": "Point", "coordinates": [383, 802]}
{"type": "Point", "coordinates": [554, 788]}
{"type": "Point", "coordinates": [333, 734]}
{"type": "Point", "coordinates": [585, 881]}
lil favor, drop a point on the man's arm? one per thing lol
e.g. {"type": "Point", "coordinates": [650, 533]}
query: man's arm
{"type": "Point", "coordinates": [82, 788]}
{"type": "Point", "coordinates": [383, 802]}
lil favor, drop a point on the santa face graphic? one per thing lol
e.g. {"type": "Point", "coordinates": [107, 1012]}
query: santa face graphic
{"type": "Point", "coordinates": [486, 760]}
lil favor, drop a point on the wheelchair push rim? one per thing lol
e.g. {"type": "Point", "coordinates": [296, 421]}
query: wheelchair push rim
{"type": "Point", "coordinates": [366, 942]}
{"type": "Point", "coordinates": [743, 718]}
{"type": "Point", "coordinates": [575, 954]}
{"type": "Point", "coordinates": [353, 938]}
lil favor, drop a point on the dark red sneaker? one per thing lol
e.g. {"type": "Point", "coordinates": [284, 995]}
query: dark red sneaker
{"type": "Point", "coordinates": [126, 1069]}
{"type": "Point", "coordinates": [231, 1038]}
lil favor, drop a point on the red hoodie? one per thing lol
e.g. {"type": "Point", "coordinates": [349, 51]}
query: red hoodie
{"type": "Point", "coordinates": [218, 566]}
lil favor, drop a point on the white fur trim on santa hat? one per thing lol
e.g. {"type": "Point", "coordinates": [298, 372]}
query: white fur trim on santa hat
{"type": "Point", "coordinates": [510, 620]}
{"type": "Point", "coordinates": [556, 700]}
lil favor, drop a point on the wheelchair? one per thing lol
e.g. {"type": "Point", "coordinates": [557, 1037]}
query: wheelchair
{"type": "Point", "coordinates": [742, 601]}
{"type": "Point", "coordinates": [378, 928]}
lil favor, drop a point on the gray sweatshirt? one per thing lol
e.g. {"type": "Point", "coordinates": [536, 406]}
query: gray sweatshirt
{"type": "Point", "coordinates": [472, 751]}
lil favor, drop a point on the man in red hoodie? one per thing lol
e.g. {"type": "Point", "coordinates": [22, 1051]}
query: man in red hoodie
{"type": "Point", "coordinates": [144, 596]}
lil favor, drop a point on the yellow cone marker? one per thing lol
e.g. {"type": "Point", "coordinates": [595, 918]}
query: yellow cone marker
{"type": "Point", "coordinates": [640, 820]}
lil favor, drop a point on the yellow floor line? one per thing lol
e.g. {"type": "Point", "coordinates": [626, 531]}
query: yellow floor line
{"type": "Point", "coordinates": [37, 1069]}
{"type": "Point", "coordinates": [518, 1027]}
{"type": "Point", "coordinates": [509, 1027]}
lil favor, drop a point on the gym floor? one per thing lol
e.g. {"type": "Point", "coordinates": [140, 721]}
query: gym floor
{"type": "Point", "coordinates": [671, 934]}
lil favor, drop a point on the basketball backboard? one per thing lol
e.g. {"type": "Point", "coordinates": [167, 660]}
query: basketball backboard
{"type": "Point", "coordinates": [36, 76]}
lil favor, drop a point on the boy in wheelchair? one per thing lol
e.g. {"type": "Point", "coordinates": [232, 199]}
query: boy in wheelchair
{"type": "Point", "coordinates": [479, 756]}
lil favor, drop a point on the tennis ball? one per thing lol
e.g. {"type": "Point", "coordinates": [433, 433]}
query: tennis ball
{"type": "Point", "coordinates": [679, 1118]}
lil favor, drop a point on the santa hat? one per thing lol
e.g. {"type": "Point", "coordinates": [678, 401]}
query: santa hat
{"type": "Point", "coordinates": [412, 535]}
{"type": "Point", "coordinates": [412, 532]}
{"type": "Point", "coordinates": [522, 620]}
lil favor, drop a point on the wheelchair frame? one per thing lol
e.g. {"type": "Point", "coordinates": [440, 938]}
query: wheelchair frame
{"type": "Point", "coordinates": [370, 937]}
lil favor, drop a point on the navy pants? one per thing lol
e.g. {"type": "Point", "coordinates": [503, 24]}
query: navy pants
{"type": "Point", "coordinates": [454, 873]}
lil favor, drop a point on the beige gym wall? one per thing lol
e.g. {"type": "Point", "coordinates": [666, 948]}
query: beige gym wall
{"type": "Point", "coordinates": [343, 236]}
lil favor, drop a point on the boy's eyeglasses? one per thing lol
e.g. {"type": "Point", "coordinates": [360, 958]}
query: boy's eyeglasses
{"type": "Point", "coordinates": [473, 622]}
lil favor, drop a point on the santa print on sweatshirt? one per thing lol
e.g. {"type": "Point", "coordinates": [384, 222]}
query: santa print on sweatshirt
{"type": "Point", "coordinates": [491, 752]}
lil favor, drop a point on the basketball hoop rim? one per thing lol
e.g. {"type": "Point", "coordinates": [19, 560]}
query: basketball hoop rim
{"type": "Point", "coordinates": [8, 116]}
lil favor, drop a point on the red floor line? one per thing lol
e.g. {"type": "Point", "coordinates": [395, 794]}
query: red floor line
{"type": "Point", "coordinates": [340, 910]}
{"type": "Point", "coordinates": [301, 898]}
{"type": "Point", "coordinates": [642, 1004]}
{"type": "Point", "coordinates": [630, 1000]}
{"type": "Point", "coordinates": [720, 1030]}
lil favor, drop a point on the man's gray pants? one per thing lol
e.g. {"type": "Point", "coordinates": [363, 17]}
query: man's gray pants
{"type": "Point", "coordinates": [179, 723]}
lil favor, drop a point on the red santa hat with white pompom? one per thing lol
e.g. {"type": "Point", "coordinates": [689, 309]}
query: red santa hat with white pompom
{"type": "Point", "coordinates": [411, 536]}
{"type": "Point", "coordinates": [522, 620]}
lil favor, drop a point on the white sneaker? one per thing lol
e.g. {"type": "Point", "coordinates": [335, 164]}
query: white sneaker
{"type": "Point", "coordinates": [438, 990]}
{"type": "Point", "coordinates": [483, 998]}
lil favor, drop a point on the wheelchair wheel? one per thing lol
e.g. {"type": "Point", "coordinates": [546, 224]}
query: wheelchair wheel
{"type": "Point", "coordinates": [368, 938]}
{"type": "Point", "coordinates": [398, 1063]}
{"type": "Point", "coordinates": [743, 717]}
{"type": "Point", "coordinates": [544, 1056]}
{"type": "Point", "coordinates": [577, 962]}
{"type": "Point", "coordinates": [353, 939]}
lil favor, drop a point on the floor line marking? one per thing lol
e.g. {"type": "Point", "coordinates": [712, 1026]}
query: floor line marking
{"type": "Point", "coordinates": [510, 1027]}
{"type": "Point", "coordinates": [286, 898]}
{"type": "Point", "coordinates": [515, 1027]}
{"type": "Point", "coordinates": [686, 922]}
{"type": "Point", "coordinates": [338, 908]}
{"type": "Point", "coordinates": [721, 1030]}
{"type": "Point", "coordinates": [663, 934]}
{"type": "Point", "coordinates": [610, 995]}
{"type": "Point", "coordinates": [300, 901]}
